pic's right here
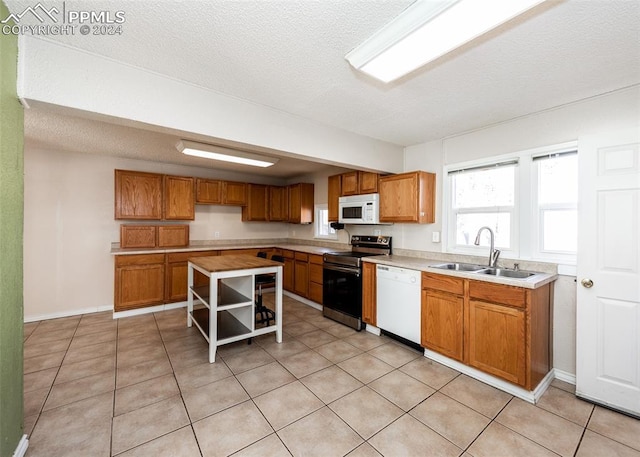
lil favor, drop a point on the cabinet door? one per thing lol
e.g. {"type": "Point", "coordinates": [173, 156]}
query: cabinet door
{"type": "Point", "coordinates": [288, 272]}
{"type": "Point", "coordinates": [173, 236]}
{"type": "Point", "coordinates": [334, 189]}
{"type": "Point", "coordinates": [256, 208]}
{"type": "Point", "coordinates": [301, 278]}
{"type": "Point", "coordinates": [139, 281]}
{"type": "Point", "coordinates": [209, 191]}
{"type": "Point", "coordinates": [369, 308]}
{"type": "Point", "coordinates": [442, 323]}
{"type": "Point", "coordinates": [407, 197]}
{"type": "Point", "coordinates": [497, 340]}
{"type": "Point", "coordinates": [138, 236]}
{"type": "Point", "coordinates": [278, 204]}
{"type": "Point", "coordinates": [367, 182]}
{"type": "Point", "coordinates": [179, 198]}
{"type": "Point", "coordinates": [315, 278]}
{"type": "Point", "coordinates": [138, 195]}
{"type": "Point", "coordinates": [301, 200]}
{"type": "Point", "coordinates": [234, 193]}
{"type": "Point", "coordinates": [349, 184]}
{"type": "Point", "coordinates": [176, 271]}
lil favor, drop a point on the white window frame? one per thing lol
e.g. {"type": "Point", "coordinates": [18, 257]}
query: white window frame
{"type": "Point", "coordinates": [513, 235]}
{"type": "Point", "coordinates": [525, 224]}
{"type": "Point", "coordinates": [537, 237]}
{"type": "Point", "coordinates": [317, 223]}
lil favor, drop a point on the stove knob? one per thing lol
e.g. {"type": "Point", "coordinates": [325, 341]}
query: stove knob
{"type": "Point", "coordinates": [384, 241]}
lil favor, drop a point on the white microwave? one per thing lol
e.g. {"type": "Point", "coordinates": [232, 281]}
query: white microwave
{"type": "Point", "coordinates": [359, 209]}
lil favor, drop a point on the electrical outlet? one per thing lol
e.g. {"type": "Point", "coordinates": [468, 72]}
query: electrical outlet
{"type": "Point", "coordinates": [293, 233]}
{"type": "Point", "coordinates": [216, 234]}
{"type": "Point", "coordinates": [377, 232]}
{"type": "Point", "coordinates": [435, 237]}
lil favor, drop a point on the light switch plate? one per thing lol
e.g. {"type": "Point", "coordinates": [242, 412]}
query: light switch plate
{"type": "Point", "coordinates": [435, 237]}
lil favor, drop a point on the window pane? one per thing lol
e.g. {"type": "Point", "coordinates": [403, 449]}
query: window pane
{"type": "Point", "coordinates": [560, 228]}
{"type": "Point", "coordinates": [482, 188]}
{"type": "Point", "coordinates": [322, 224]}
{"type": "Point", "coordinates": [558, 180]}
{"type": "Point", "coordinates": [467, 226]}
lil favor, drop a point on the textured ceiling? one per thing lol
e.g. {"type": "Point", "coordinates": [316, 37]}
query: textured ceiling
{"type": "Point", "coordinates": [289, 55]}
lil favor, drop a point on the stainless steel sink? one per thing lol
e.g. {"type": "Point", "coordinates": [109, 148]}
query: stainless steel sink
{"type": "Point", "coordinates": [506, 273]}
{"type": "Point", "coordinates": [460, 266]}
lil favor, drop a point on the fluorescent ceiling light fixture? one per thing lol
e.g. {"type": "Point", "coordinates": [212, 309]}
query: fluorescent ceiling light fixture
{"type": "Point", "coordinates": [209, 151]}
{"type": "Point", "coordinates": [429, 29]}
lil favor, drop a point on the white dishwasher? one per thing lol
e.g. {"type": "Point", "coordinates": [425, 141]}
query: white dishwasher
{"type": "Point", "coordinates": [398, 296]}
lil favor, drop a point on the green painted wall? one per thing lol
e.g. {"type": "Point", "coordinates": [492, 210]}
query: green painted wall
{"type": "Point", "coordinates": [11, 220]}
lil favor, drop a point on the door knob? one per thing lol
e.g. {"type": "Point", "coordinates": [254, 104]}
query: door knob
{"type": "Point", "coordinates": [587, 283]}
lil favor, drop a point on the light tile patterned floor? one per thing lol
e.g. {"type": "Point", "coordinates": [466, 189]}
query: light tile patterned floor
{"type": "Point", "coordinates": [142, 386]}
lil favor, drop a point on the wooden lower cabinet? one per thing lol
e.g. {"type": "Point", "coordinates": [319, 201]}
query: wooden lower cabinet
{"type": "Point", "coordinates": [288, 270]}
{"type": "Point", "coordinates": [301, 275]}
{"type": "Point", "coordinates": [176, 275]}
{"type": "Point", "coordinates": [497, 340]}
{"type": "Point", "coordinates": [499, 329]}
{"type": "Point", "coordinates": [139, 281]}
{"type": "Point", "coordinates": [369, 309]}
{"type": "Point", "coordinates": [442, 323]}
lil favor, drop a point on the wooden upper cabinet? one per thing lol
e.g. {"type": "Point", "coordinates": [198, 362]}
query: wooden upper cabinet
{"type": "Point", "coordinates": [349, 183]}
{"type": "Point", "coordinates": [257, 203]}
{"type": "Point", "coordinates": [358, 182]}
{"type": "Point", "coordinates": [138, 195]}
{"type": "Point", "coordinates": [209, 191]}
{"type": "Point", "coordinates": [278, 204]}
{"type": "Point", "coordinates": [217, 192]}
{"type": "Point", "coordinates": [301, 200]}
{"type": "Point", "coordinates": [407, 197]}
{"type": "Point", "coordinates": [234, 193]}
{"type": "Point", "coordinates": [367, 182]}
{"type": "Point", "coordinates": [334, 190]}
{"type": "Point", "coordinates": [179, 199]}
{"type": "Point", "coordinates": [151, 196]}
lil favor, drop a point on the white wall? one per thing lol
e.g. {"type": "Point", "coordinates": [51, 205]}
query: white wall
{"type": "Point", "coordinates": [69, 227]}
{"type": "Point", "coordinates": [613, 111]}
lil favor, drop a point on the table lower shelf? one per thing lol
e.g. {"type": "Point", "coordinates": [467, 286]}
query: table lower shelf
{"type": "Point", "coordinates": [228, 326]}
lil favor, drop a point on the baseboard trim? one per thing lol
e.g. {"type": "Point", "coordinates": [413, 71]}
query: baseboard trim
{"type": "Point", "coordinates": [303, 300]}
{"type": "Point", "coordinates": [564, 376]}
{"type": "Point", "coordinates": [372, 329]}
{"type": "Point", "coordinates": [76, 312]}
{"type": "Point", "coordinates": [526, 395]}
{"type": "Point", "coordinates": [23, 445]}
{"type": "Point", "coordinates": [149, 309]}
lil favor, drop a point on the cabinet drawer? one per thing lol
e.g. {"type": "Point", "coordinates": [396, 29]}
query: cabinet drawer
{"type": "Point", "coordinates": [137, 236]}
{"type": "Point", "coordinates": [173, 236]}
{"type": "Point", "coordinates": [315, 273]}
{"type": "Point", "coordinates": [139, 259]}
{"type": "Point", "coordinates": [302, 256]}
{"type": "Point", "coordinates": [497, 293]}
{"type": "Point", "coordinates": [443, 283]}
{"type": "Point", "coordinates": [317, 259]}
{"type": "Point", "coordinates": [288, 254]}
{"type": "Point", "coordinates": [184, 256]}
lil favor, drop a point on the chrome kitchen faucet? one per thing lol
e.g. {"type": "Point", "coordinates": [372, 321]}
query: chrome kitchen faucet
{"type": "Point", "coordinates": [493, 253]}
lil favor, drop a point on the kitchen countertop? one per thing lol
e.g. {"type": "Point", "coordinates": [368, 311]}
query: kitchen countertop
{"type": "Point", "coordinates": [414, 263]}
{"type": "Point", "coordinates": [421, 264]}
{"type": "Point", "coordinates": [319, 250]}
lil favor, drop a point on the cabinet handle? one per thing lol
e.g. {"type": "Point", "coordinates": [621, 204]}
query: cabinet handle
{"type": "Point", "coordinates": [587, 283]}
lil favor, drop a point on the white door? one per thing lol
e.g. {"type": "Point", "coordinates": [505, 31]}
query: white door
{"type": "Point", "coordinates": [608, 295]}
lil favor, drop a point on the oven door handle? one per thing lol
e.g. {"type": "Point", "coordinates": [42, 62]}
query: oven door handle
{"type": "Point", "coordinates": [351, 271]}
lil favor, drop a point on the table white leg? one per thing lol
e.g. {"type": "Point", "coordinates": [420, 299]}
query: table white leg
{"type": "Point", "coordinates": [213, 317]}
{"type": "Point", "coordinates": [189, 293]}
{"type": "Point", "coordinates": [279, 305]}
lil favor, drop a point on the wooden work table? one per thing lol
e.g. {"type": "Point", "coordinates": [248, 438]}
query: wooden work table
{"type": "Point", "coordinates": [224, 310]}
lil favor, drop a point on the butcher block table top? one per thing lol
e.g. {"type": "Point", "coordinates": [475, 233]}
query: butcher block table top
{"type": "Point", "coordinates": [215, 264]}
